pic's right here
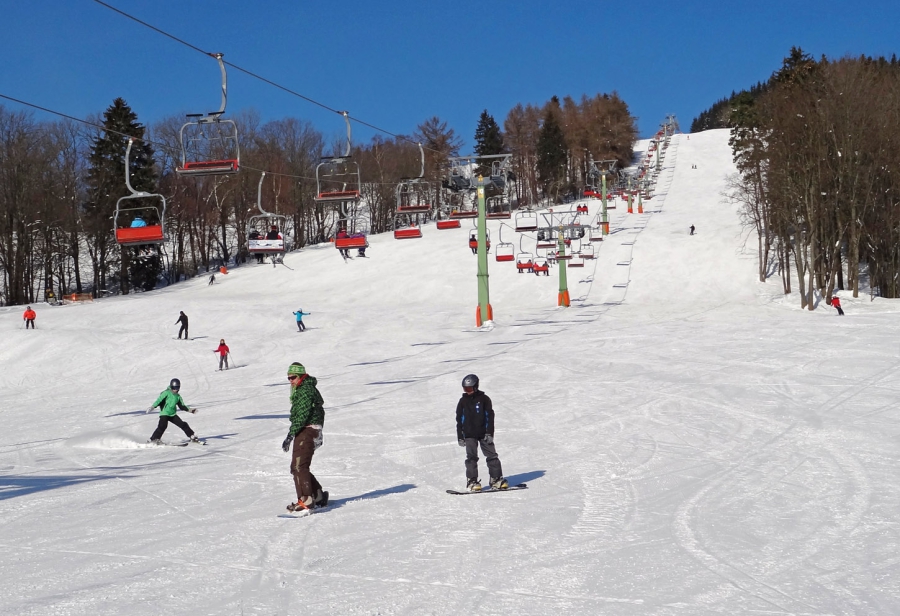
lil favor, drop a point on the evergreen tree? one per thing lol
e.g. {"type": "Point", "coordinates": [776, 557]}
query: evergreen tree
{"type": "Point", "coordinates": [488, 140]}
{"type": "Point", "coordinates": [106, 183]}
{"type": "Point", "coordinates": [551, 149]}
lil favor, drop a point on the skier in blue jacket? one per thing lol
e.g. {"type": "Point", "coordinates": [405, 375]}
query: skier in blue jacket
{"type": "Point", "coordinates": [300, 314]}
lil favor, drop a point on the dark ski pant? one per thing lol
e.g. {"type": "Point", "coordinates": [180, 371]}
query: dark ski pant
{"type": "Point", "coordinates": [490, 455]}
{"type": "Point", "coordinates": [223, 359]}
{"type": "Point", "coordinates": [301, 457]}
{"type": "Point", "coordinates": [164, 423]}
{"type": "Point", "coordinates": [29, 322]}
{"type": "Point", "coordinates": [183, 330]}
{"type": "Point", "coordinates": [840, 311]}
{"type": "Point", "coordinates": [300, 326]}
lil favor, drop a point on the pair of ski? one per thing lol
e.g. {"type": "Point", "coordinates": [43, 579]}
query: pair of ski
{"type": "Point", "coordinates": [182, 444]}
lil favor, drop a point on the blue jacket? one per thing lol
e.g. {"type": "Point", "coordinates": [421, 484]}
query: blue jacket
{"type": "Point", "coordinates": [300, 315]}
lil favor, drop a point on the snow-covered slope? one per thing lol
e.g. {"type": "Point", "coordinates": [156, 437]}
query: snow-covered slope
{"type": "Point", "coordinates": [693, 443]}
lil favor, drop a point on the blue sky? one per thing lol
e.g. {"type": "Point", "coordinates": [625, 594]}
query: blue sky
{"type": "Point", "coordinates": [394, 64]}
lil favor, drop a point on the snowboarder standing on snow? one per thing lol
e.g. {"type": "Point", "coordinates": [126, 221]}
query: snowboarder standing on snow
{"type": "Point", "coordinates": [307, 418]}
{"type": "Point", "coordinates": [692, 229]}
{"type": "Point", "coordinates": [184, 325]}
{"type": "Point", "coordinates": [300, 314]}
{"type": "Point", "coordinates": [836, 302]}
{"type": "Point", "coordinates": [222, 350]}
{"type": "Point", "coordinates": [169, 402]}
{"type": "Point", "coordinates": [28, 316]}
{"type": "Point", "coordinates": [474, 427]}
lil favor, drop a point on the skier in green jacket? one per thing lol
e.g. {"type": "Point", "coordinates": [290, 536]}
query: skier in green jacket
{"type": "Point", "coordinates": [169, 402]}
{"type": "Point", "coordinates": [307, 418]}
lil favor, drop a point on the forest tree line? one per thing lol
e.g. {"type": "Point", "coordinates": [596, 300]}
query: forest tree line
{"type": "Point", "coordinates": [60, 182]}
{"type": "Point", "coordinates": [818, 155]}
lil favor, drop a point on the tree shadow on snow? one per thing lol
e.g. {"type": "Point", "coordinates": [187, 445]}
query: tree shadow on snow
{"type": "Point", "coordinates": [524, 477]}
{"type": "Point", "coordinates": [13, 487]}
{"type": "Point", "coordinates": [335, 503]}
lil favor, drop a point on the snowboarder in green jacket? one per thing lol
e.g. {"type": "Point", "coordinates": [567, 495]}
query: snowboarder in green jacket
{"type": "Point", "coordinates": [169, 402]}
{"type": "Point", "coordinates": [307, 418]}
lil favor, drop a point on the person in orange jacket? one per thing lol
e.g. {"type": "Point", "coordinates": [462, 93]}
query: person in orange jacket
{"type": "Point", "coordinates": [28, 316]}
{"type": "Point", "coordinates": [223, 354]}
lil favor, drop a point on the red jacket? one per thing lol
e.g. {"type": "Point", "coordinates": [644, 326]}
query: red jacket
{"type": "Point", "coordinates": [29, 314]}
{"type": "Point", "coordinates": [222, 350]}
{"type": "Point", "coordinates": [836, 302]}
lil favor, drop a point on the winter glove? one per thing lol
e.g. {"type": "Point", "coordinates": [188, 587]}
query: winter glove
{"type": "Point", "coordinates": [286, 445]}
{"type": "Point", "coordinates": [192, 411]}
{"type": "Point", "coordinates": [462, 442]}
{"type": "Point", "coordinates": [488, 439]}
{"type": "Point", "coordinates": [150, 409]}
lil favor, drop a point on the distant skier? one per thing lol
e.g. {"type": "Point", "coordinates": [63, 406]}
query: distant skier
{"type": "Point", "coordinates": [29, 316]}
{"type": "Point", "coordinates": [169, 402]}
{"type": "Point", "coordinates": [307, 418]}
{"type": "Point", "coordinates": [212, 279]}
{"type": "Point", "coordinates": [184, 325]}
{"type": "Point", "coordinates": [222, 350]}
{"type": "Point", "coordinates": [300, 314]}
{"type": "Point", "coordinates": [474, 427]}
{"type": "Point", "coordinates": [692, 229]}
{"type": "Point", "coordinates": [836, 302]}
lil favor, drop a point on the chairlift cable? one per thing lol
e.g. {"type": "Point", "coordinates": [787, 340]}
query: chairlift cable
{"type": "Point", "coordinates": [162, 146]}
{"type": "Point", "coordinates": [257, 76]}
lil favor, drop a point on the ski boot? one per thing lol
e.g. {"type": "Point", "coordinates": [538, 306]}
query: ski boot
{"type": "Point", "coordinates": [304, 504]}
{"type": "Point", "coordinates": [499, 483]}
{"type": "Point", "coordinates": [155, 441]}
{"type": "Point", "coordinates": [321, 498]}
{"type": "Point", "coordinates": [473, 485]}
{"type": "Point", "coordinates": [194, 439]}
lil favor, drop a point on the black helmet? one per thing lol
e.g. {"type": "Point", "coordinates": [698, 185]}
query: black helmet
{"type": "Point", "coordinates": [175, 384]}
{"type": "Point", "coordinates": [470, 380]}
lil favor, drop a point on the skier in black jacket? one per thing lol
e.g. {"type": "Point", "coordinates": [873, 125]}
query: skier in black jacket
{"type": "Point", "coordinates": [184, 325]}
{"type": "Point", "coordinates": [474, 427]}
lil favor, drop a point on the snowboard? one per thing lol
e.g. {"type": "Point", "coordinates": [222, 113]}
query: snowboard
{"type": "Point", "coordinates": [306, 512]}
{"type": "Point", "coordinates": [489, 490]}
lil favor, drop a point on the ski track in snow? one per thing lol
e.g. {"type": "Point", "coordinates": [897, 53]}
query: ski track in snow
{"type": "Point", "coordinates": [693, 442]}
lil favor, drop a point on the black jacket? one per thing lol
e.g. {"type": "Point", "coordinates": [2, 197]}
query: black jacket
{"type": "Point", "coordinates": [182, 319]}
{"type": "Point", "coordinates": [474, 416]}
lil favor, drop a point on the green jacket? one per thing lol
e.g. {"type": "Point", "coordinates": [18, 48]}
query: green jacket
{"type": "Point", "coordinates": [306, 406]}
{"type": "Point", "coordinates": [170, 403]}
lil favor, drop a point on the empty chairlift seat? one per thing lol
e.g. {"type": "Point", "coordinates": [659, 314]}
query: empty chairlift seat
{"type": "Point", "coordinates": [526, 221]}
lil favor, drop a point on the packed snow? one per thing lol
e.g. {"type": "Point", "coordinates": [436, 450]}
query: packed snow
{"type": "Point", "coordinates": [694, 443]}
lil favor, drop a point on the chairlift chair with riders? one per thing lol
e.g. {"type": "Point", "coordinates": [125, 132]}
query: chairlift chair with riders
{"type": "Point", "coordinates": [272, 240]}
{"type": "Point", "coordinates": [541, 266]}
{"type": "Point", "coordinates": [141, 224]}
{"type": "Point", "coordinates": [209, 144]}
{"type": "Point", "coordinates": [473, 239]}
{"type": "Point", "coordinates": [524, 262]}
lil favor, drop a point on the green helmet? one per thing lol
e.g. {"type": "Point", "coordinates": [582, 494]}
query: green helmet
{"type": "Point", "coordinates": [296, 368]}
